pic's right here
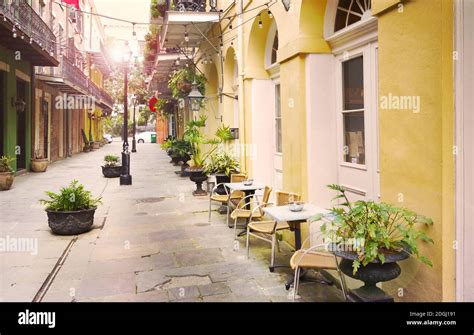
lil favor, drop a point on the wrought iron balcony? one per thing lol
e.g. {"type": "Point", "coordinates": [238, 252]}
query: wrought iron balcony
{"type": "Point", "coordinates": [191, 5]}
{"type": "Point", "coordinates": [187, 5]}
{"type": "Point", "coordinates": [186, 21]}
{"type": "Point", "coordinates": [103, 99]}
{"type": "Point", "coordinates": [67, 77]}
{"type": "Point", "coordinates": [21, 28]}
{"type": "Point", "coordinates": [106, 99]}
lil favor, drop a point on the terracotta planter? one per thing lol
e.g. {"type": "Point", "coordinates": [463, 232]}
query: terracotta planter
{"type": "Point", "coordinates": [39, 165]}
{"type": "Point", "coordinates": [96, 145]}
{"type": "Point", "coordinates": [198, 176]}
{"type": "Point", "coordinates": [6, 180]}
{"type": "Point", "coordinates": [111, 171]}
{"type": "Point", "coordinates": [71, 223]}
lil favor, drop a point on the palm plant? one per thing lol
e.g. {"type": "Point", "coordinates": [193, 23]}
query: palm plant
{"type": "Point", "coordinates": [193, 134]}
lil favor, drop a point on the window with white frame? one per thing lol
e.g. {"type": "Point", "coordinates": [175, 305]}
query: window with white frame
{"type": "Point", "coordinates": [350, 12]}
{"type": "Point", "coordinates": [278, 131]}
{"type": "Point", "coordinates": [353, 110]}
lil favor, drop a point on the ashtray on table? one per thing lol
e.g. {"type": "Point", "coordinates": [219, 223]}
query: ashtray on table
{"type": "Point", "coordinates": [296, 206]}
{"type": "Point", "coordinates": [248, 182]}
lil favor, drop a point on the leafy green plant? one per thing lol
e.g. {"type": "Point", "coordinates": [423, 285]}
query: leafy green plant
{"type": "Point", "coordinates": [157, 8]}
{"type": "Point", "coordinates": [373, 230]}
{"type": "Point", "coordinates": [71, 198]}
{"type": "Point", "coordinates": [167, 144]}
{"type": "Point", "coordinates": [111, 160]}
{"type": "Point", "coordinates": [6, 164]}
{"type": "Point", "coordinates": [193, 134]}
{"type": "Point", "coordinates": [221, 162]}
{"type": "Point", "coordinates": [180, 148]}
{"type": "Point", "coordinates": [181, 80]}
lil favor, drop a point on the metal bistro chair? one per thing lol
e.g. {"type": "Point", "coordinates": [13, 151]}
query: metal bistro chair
{"type": "Point", "coordinates": [223, 199]}
{"type": "Point", "coordinates": [267, 230]}
{"type": "Point", "coordinates": [242, 212]}
{"type": "Point", "coordinates": [318, 258]}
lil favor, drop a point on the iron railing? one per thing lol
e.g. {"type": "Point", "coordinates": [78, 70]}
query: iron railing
{"type": "Point", "coordinates": [94, 90]}
{"type": "Point", "coordinates": [187, 5]}
{"type": "Point", "coordinates": [73, 74]}
{"type": "Point", "coordinates": [106, 98]}
{"type": "Point", "coordinates": [70, 73]}
{"type": "Point", "coordinates": [28, 23]}
{"type": "Point", "coordinates": [99, 93]}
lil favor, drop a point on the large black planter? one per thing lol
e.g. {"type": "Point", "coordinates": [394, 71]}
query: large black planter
{"type": "Point", "coordinates": [71, 223]}
{"type": "Point", "coordinates": [184, 170]}
{"type": "Point", "coordinates": [371, 274]}
{"type": "Point", "coordinates": [111, 171]}
{"type": "Point", "coordinates": [222, 178]}
{"type": "Point", "coordinates": [198, 176]}
{"type": "Point", "coordinates": [175, 160]}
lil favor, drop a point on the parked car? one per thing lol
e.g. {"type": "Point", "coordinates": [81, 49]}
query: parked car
{"type": "Point", "coordinates": [145, 137]}
{"type": "Point", "coordinates": [108, 138]}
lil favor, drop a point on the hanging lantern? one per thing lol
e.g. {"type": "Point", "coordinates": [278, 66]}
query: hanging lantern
{"type": "Point", "coordinates": [195, 97]}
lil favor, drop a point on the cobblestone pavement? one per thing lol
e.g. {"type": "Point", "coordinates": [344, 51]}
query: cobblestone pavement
{"type": "Point", "coordinates": [151, 242]}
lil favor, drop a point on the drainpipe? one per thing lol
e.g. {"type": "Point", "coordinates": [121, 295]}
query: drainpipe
{"type": "Point", "coordinates": [241, 65]}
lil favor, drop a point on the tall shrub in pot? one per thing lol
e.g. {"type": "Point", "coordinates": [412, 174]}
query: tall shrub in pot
{"type": "Point", "coordinates": [202, 148]}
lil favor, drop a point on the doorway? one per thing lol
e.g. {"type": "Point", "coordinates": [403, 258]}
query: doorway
{"type": "Point", "coordinates": [357, 126]}
{"type": "Point", "coordinates": [21, 126]}
{"type": "Point", "coordinates": [2, 113]}
{"type": "Point", "coordinates": [45, 125]}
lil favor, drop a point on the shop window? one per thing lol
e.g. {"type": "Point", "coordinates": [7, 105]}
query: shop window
{"type": "Point", "coordinates": [350, 12]}
{"type": "Point", "coordinates": [353, 110]}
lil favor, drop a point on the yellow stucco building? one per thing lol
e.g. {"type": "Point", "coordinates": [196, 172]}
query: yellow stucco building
{"type": "Point", "coordinates": [365, 94]}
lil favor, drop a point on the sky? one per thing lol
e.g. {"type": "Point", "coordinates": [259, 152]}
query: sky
{"type": "Point", "coordinates": [131, 10]}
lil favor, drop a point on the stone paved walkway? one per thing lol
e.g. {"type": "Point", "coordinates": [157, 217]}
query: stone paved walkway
{"type": "Point", "coordinates": [150, 242]}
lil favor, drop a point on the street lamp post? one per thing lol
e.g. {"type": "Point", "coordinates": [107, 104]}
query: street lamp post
{"type": "Point", "coordinates": [125, 177]}
{"type": "Point", "coordinates": [134, 142]}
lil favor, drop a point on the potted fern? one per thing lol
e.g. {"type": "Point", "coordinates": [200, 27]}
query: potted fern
{"type": "Point", "coordinates": [6, 173]}
{"type": "Point", "coordinates": [111, 167]}
{"type": "Point", "coordinates": [71, 211]}
{"type": "Point", "coordinates": [39, 163]}
{"type": "Point", "coordinates": [371, 237]}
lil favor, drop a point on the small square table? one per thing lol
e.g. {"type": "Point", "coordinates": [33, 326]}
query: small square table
{"type": "Point", "coordinates": [247, 189]}
{"type": "Point", "coordinates": [294, 219]}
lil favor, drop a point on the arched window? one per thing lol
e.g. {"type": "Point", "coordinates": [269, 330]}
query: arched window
{"type": "Point", "coordinates": [350, 12]}
{"type": "Point", "coordinates": [273, 58]}
{"type": "Point", "coordinates": [271, 46]}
